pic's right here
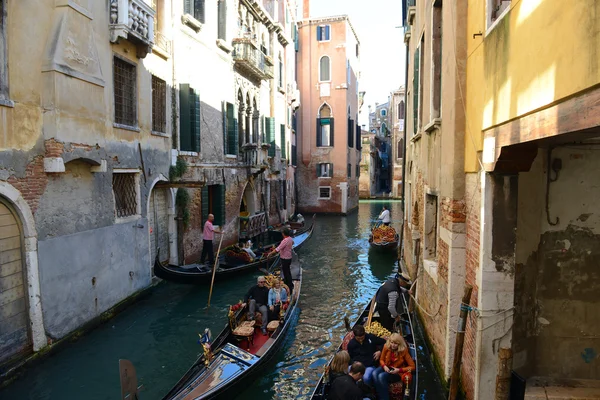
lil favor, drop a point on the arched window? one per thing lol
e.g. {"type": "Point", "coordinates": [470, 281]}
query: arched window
{"type": "Point", "coordinates": [325, 127]}
{"type": "Point", "coordinates": [324, 69]}
{"type": "Point", "coordinates": [384, 129]}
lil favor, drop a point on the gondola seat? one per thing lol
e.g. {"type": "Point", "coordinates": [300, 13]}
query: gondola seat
{"type": "Point", "coordinates": [245, 330]}
{"type": "Point", "coordinates": [349, 336]}
{"type": "Point", "coordinates": [272, 326]}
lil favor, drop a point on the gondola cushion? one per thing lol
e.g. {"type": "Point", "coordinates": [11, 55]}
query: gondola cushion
{"type": "Point", "coordinates": [246, 328]}
{"type": "Point", "coordinates": [273, 325]}
{"type": "Point", "coordinates": [349, 336]}
{"type": "Point", "coordinates": [257, 319]}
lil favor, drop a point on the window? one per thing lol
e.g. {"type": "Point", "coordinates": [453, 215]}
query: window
{"type": "Point", "coordinates": [283, 193]}
{"type": "Point", "coordinates": [401, 110]}
{"type": "Point", "coordinates": [383, 112]}
{"type": "Point", "coordinates": [213, 202]}
{"type": "Point", "coordinates": [357, 50]}
{"type": "Point", "coordinates": [416, 90]}
{"type": "Point", "coordinates": [324, 192]}
{"type": "Point", "coordinates": [280, 71]}
{"type": "Point", "coordinates": [323, 33]}
{"type": "Point", "coordinates": [400, 151]}
{"type": "Point", "coordinates": [230, 130]}
{"type": "Point", "coordinates": [283, 143]}
{"type": "Point", "coordinates": [195, 8]}
{"type": "Point", "coordinates": [4, 95]}
{"type": "Point", "coordinates": [222, 20]}
{"type": "Point", "coordinates": [348, 77]}
{"type": "Point", "coordinates": [325, 170]}
{"type": "Point", "coordinates": [357, 170]}
{"type": "Point", "coordinates": [189, 125]}
{"type": "Point", "coordinates": [436, 61]}
{"type": "Point", "coordinates": [358, 144]}
{"type": "Point", "coordinates": [421, 78]}
{"type": "Point", "coordinates": [126, 193]}
{"type": "Point", "coordinates": [324, 69]}
{"type": "Point", "coordinates": [350, 133]}
{"type": "Point", "coordinates": [270, 131]}
{"type": "Point", "coordinates": [325, 127]}
{"type": "Point", "coordinates": [431, 226]}
{"type": "Point", "coordinates": [159, 105]}
{"type": "Point", "coordinates": [125, 92]}
{"type": "Point", "coordinates": [495, 9]}
{"type": "Point", "coordinates": [349, 170]}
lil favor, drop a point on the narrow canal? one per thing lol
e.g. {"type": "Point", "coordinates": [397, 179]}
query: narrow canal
{"type": "Point", "coordinates": [159, 333]}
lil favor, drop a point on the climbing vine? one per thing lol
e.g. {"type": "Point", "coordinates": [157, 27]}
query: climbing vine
{"type": "Point", "coordinates": [182, 201]}
{"type": "Point", "coordinates": [177, 170]}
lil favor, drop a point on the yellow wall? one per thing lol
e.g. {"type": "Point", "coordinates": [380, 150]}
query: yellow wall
{"type": "Point", "coordinates": [540, 52]}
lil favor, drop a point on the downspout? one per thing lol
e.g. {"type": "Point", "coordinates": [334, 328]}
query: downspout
{"type": "Point", "coordinates": [404, 140]}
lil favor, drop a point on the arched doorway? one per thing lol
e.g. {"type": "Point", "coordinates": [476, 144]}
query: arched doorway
{"type": "Point", "coordinates": [14, 308]}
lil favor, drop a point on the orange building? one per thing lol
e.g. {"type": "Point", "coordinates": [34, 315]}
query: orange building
{"type": "Point", "coordinates": [328, 131]}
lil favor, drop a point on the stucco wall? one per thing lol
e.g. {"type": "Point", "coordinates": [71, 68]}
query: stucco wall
{"type": "Point", "coordinates": [84, 274]}
{"type": "Point", "coordinates": [557, 274]}
{"type": "Point", "coordinates": [509, 76]}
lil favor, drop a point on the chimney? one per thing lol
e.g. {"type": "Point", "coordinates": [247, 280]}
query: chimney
{"type": "Point", "coordinates": [306, 9]}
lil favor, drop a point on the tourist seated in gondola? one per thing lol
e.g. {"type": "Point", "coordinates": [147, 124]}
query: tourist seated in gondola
{"type": "Point", "coordinates": [366, 348]}
{"type": "Point", "coordinates": [277, 299]}
{"type": "Point", "coordinates": [396, 364]}
{"type": "Point", "coordinates": [258, 298]}
{"type": "Point", "coordinates": [248, 249]}
{"type": "Point", "coordinates": [344, 385]}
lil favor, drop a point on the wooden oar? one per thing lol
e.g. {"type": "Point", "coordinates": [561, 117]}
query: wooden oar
{"type": "Point", "coordinates": [212, 282]}
{"type": "Point", "coordinates": [372, 309]}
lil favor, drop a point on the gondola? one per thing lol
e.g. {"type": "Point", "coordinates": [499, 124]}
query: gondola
{"type": "Point", "coordinates": [234, 360]}
{"type": "Point", "coordinates": [384, 245]}
{"type": "Point", "coordinates": [198, 274]}
{"type": "Point", "coordinates": [406, 329]}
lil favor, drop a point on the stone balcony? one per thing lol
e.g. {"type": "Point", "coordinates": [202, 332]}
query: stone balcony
{"type": "Point", "coordinates": [132, 20]}
{"type": "Point", "coordinates": [250, 61]}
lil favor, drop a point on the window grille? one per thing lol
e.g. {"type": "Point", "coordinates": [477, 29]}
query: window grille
{"type": "Point", "coordinates": [324, 192]}
{"type": "Point", "coordinates": [125, 92]}
{"type": "Point", "coordinates": [124, 189]}
{"type": "Point", "coordinates": [159, 105]}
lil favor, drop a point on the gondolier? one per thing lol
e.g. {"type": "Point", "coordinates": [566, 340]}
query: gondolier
{"type": "Point", "coordinates": [385, 216]}
{"type": "Point", "coordinates": [387, 299]}
{"type": "Point", "coordinates": [285, 252]}
{"type": "Point", "coordinates": [208, 235]}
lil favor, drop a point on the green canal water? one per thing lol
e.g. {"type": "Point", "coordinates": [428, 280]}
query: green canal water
{"type": "Point", "coordinates": [159, 333]}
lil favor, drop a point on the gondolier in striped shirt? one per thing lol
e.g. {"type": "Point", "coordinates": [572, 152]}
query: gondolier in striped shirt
{"type": "Point", "coordinates": [285, 253]}
{"type": "Point", "coordinates": [387, 299]}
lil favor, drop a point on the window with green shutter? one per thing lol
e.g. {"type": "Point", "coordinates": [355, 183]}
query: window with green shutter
{"type": "Point", "coordinates": [350, 133]}
{"type": "Point", "coordinates": [213, 202]}
{"type": "Point", "coordinates": [232, 128]}
{"type": "Point", "coordinates": [283, 144]}
{"type": "Point", "coordinates": [270, 127]}
{"type": "Point", "coordinates": [189, 112]}
{"type": "Point", "coordinates": [324, 132]}
{"type": "Point", "coordinates": [195, 8]}
{"type": "Point", "coordinates": [416, 75]}
{"type": "Point", "coordinates": [222, 20]}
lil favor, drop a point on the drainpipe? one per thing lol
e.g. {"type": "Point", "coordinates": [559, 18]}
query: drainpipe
{"type": "Point", "coordinates": [404, 9]}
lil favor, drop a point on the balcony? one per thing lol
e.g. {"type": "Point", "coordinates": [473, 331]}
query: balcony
{"type": "Point", "coordinates": [162, 43]}
{"type": "Point", "coordinates": [250, 61]}
{"type": "Point", "coordinates": [132, 20]}
{"type": "Point", "coordinates": [252, 225]}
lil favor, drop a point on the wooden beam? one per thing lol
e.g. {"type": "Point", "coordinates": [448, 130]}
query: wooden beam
{"type": "Point", "coordinates": [180, 184]}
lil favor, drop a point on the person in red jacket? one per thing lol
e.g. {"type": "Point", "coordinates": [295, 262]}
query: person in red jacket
{"type": "Point", "coordinates": [395, 364]}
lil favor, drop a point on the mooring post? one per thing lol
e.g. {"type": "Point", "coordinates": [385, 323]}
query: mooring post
{"type": "Point", "coordinates": [460, 340]}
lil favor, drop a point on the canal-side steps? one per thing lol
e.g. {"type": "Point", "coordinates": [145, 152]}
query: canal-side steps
{"type": "Point", "coordinates": [15, 367]}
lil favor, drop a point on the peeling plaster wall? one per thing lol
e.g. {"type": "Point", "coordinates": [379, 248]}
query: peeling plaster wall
{"type": "Point", "coordinates": [557, 278]}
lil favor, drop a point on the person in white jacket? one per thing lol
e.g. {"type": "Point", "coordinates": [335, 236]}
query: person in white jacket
{"type": "Point", "coordinates": [385, 216]}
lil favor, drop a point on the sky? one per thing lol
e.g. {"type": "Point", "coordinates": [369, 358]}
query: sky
{"type": "Point", "coordinates": [382, 55]}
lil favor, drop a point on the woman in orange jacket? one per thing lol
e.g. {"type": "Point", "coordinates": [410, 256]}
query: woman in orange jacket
{"type": "Point", "coordinates": [395, 364]}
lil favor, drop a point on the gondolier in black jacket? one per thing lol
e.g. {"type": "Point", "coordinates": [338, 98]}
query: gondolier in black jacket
{"type": "Point", "coordinates": [387, 299]}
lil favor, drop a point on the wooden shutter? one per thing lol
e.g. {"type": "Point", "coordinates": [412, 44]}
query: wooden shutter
{"type": "Point", "coordinates": [327, 32]}
{"type": "Point", "coordinates": [319, 136]}
{"type": "Point", "coordinates": [296, 47]}
{"type": "Point", "coordinates": [358, 141]}
{"type": "Point", "coordinates": [331, 135]}
{"type": "Point", "coordinates": [185, 128]}
{"type": "Point", "coordinates": [232, 137]}
{"type": "Point", "coordinates": [218, 203]}
{"type": "Point", "coordinates": [222, 14]}
{"type": "Point", "coordinates": [271, 135]}
{"type": "Point", "coordinates": [188, 7]}
{"type": "Point", "coordinates": [350, 133]}
{"type": "Point", "coordinates": [224, 122]}
{"type": "Point", "coordinates": [205, 198]}
{"type": "Point", "coordinates": [195, 119]}
{"type": "Point", "coordinates": [331, 170]}
{"type": "Point", "coordinates": [199, 10]}
{"type": "Point", "coordinates": [416, 74]}
{"type": "Point", "coordinates": [283, 145]}
{"type": "Point", "coordinates": [319, 37]}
